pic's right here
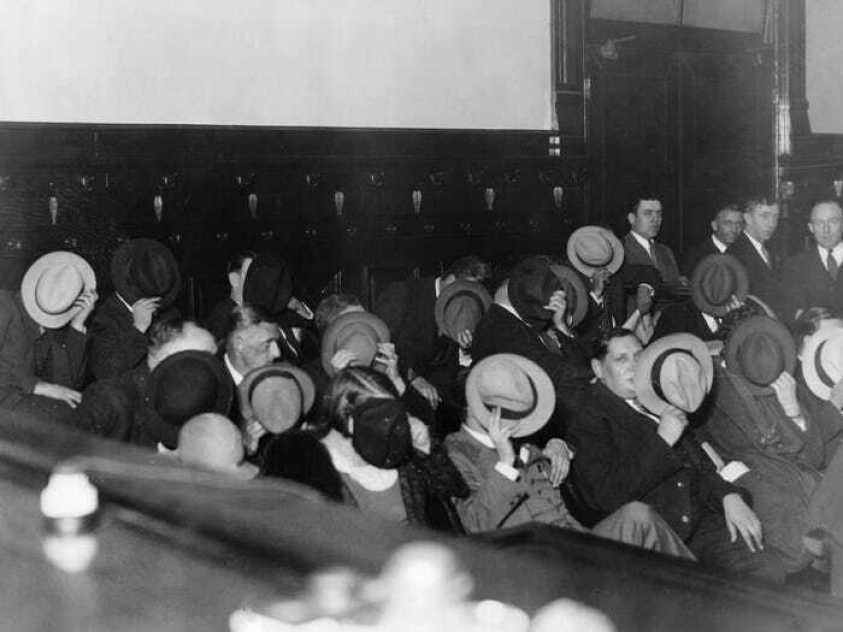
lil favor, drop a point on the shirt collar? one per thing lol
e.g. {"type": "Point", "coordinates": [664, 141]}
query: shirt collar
{"type": "Point", "coordinates": [711, 321]}
{"type": "Point", "coordinates": [718, 244]}
{"type": "Point", "coordinates": [481, 437]}
{"type": "Point", "coordinates": [437, 286]}
{"type": "Point", "coordinates": [837, 251]}
{"type": "Point", "coordinates": [235, 374]}
{"type": "Point", "coordinates": [508, 307]}
{"type": "Point", "coordinates": [123, 300]}
{"type": "Point", "coordinates": [641, 410]}
{"type": "Point", "coordinates": [755, 243]}
{"type": "Point", "coordinates": [645, 243]}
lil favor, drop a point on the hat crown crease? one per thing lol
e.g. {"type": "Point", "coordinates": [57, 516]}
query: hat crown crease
{"type": "Point", "coordinates": [57, 288]}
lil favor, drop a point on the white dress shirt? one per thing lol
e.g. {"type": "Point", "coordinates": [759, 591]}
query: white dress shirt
{"type": "Point", "coordinates": [836, 252]}
{"type": "Point", "coordinates": [759, 248]}
{"type": "Point", "coordinates": [721, 247]}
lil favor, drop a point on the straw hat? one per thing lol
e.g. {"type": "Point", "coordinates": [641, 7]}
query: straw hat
{"type": "Point", "coordinates": [592, 248]}
{"type": "Point", "coordinates": [51, 286]}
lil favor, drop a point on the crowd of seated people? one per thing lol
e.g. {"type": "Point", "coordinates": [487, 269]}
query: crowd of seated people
{"type": "Point", "coordinates": [694, 411]}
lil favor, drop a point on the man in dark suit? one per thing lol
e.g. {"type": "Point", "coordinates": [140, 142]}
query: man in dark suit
{"type": "Point", "coordinates": [726, 225]}
{"type": "Point", "coordinates": [811, 278]}
{"type": "Point", "coordinates": [761, 218]}
{"type": "Point", "coordinates": [407, 307]}
{"type": "Point", "coordinates": [639, 244]}
{"type": "Point", "coordinates": [625, 453]}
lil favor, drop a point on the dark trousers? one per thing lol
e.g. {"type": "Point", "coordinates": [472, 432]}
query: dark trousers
{"type": "Point", "coordinates": [712, 545]}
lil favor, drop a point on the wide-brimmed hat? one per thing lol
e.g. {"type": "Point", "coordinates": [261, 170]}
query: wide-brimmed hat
{"type": "Point", "coordinates": [277, 395]}
{"type": "Point", "coordinates": [715, 280]}
{"type": "Point", "coordinates": [268, 285]}
{"type": "Point", "coordinates": [760, 349]}
{"type": "Point", "coordinates": [592, 248]}
{"type": "Point", "coordinates": [359, 332]}
{"type": "Point", "coordinates": [182, 386]}
{"type": "Point", "coordinates": [145, 268]}
{"type": "Point", "coordinates": [822, 360]}
{"type": "Point", "coordinates": [460, 306]}
{"type": "Point", "coordinates": [52, 284]}
{"type": "Point", "coordinates": [576, 296]}
{"type": "Point", "coordinates": [213, 441]}
{"type": "Point", "coordinates": [675, 370]}
{"type": "Point", "coordinates": [519, 386]}
{"type": "Point", "coordinates": [531, 284]}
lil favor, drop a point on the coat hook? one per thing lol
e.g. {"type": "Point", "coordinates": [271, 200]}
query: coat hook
{"type": "Point", "coordinates": [558, 192]}
{"type": "Point", "coordinates": [416, 196]}
{"type": "Point", "coordinates": [253, 205]}
{"type": "Point", "coordinates": [339, 201]}
{"type": "Point", "coordinates": [158, 207]}
{"type": "Point", "coordinates": [54, 209]}
{"type": "Point", "coordinates": [489, 197]}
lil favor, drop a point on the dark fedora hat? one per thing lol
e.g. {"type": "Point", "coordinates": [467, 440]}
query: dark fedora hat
{"type": "Point", "coordinates": [144, 268]}
{"type": "Point", "coordinates": [531, 284]}
{"type": "Point", "coordinates": [520, 387]}
{"type": "Point", "coordinates": [760, 349]}
{"type": "Point", "coordinates": [592, 248]}
{"type": "Point", "coordinates": [268, 285]}
{"type": "Point", "coordinates": [460, 306]}
{"type": "Point", "coordinates": [715, 280]}
{"type": "Point", "coordinates": [576, 296]}
{"type": "Point", "coordinates": [277, 395]}
{"type": "Point", "coordinates": [381, 432]}
{"type": "Point", "coordinates": [182, 386]}
{"type": "Point", "coordinates": [359, 332]}
{"type": "Point", "coordinates": [675, 370]}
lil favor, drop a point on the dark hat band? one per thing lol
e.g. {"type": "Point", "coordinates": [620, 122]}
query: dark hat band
{"type": "Point", "coordinates": [277, 373]}
{"type": "Point", "coordinates": [514, 415]}
{"type": "Point", "coordinates": [656, 370]}
{"type": "Point", "coordinates": [821, 373]}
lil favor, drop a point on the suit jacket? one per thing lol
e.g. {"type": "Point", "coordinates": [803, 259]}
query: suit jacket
{"type": "Point", "coordinates": [761, 276]}
{"type": "Point", "coordinates": [496, 501]}
{"type": "Point", "coordinates": [697, 253]}
{"type": "Point", "coordinates": [116, 346]}
{"type": "Point", "coordinates": [27, 356]}
{"type": "Point", "coordinates": [804, 282]}
{"type": "Point", "coordinates": [407, 307]}
{"type": "Point", "coordinates": [635, 254]}
{"type": "Point", "coordinates": [620, 458]}
{"type": "Point", "coordinates": [685, 317]}
{"type": "Point", "coordinates": [499, 331]}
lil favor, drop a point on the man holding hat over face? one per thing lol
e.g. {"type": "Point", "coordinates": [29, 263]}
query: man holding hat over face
{"type": "Point", "coordinates": [43, 336]}
{"type": "Point", "coordinates": [787, 438]}
{"type": "Point", "coordinates": [146, 281]}
{"type": "Point", "coordinates": [631, 442]}
{"type": "Point", "coordinates": [508, 397]}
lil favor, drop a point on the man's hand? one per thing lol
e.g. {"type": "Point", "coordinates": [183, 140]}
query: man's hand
{"type": "Point", "coordinates": [672, 423]}
{"type": "Point", "coordinates": [85, 302]}
{"type": "Point", "coordinates": [59, 392]}
{"type": "Point", "coordinates": [427, 390]}
{"type": "Point", "coordinates": [784, 386]}
{"type": "Point", "coordinates": [741, 519]}
{"type": "Point", "coordinates": [300, 308]}
{"type": "Point", "coordinates": [599, 281]}
{"type": "Point", "coordinates": [560, 456]}
{"type": "Point", "coordinates": [558, 305]}
{"type": "Point", "coordinates": [342, 359]}
{"type": "Point", "coordinates": [464, 339]}
{"type": "Point", "coordinates": [501, 437]}
{"type": "Point", "coordinates": [143, 310]}
{"type": "Point", "coordinates": [420, 434]}
{"type": "Point", "coordinates": [645, 328]}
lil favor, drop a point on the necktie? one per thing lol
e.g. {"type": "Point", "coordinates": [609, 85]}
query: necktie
{"type": "Point", "coordinates": [766, 256]}
{"type": "Point", "coordinates": [831, 265]}
{"type": "Point", "coordinates": [653, 256]}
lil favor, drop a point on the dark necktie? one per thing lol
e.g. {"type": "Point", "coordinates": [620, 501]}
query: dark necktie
{"type": "Point", "coordinates": [831, 265]}
{"type": "Point", "coordinates": [653, 256]}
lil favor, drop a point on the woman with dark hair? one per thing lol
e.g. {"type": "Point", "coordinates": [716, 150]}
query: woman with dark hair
{"type": "Point", "coordinates": [388, 462]}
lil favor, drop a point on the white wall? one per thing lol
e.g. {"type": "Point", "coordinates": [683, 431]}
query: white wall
{"type": "Point", "coordinates": [824, 65]}
{"type": "Point", "coordinates": [480, 64]}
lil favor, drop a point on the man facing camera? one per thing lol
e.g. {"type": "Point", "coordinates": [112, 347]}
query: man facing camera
{"type": "Point", "coordinates": [751, 248]}
{"type": "Point", "coordinates": [627, 451]}
{"type": "Point", "coordinates": [725, 228]}
{"type": "Point", "coordinates": [640, 246]}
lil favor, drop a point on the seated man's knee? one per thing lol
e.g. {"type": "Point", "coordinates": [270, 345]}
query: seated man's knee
{"type": "Point", "coordinates": [637, 512]}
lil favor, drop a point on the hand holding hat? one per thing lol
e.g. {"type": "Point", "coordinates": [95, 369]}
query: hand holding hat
{"type": "Point", "coordinates": [57, 287]}
{"type": "Point", "coordinates": [459, 308]}
{"type": "Point", "coordinates": [594, 248]}
{"type": "Point", "coordinates": [759, 350]}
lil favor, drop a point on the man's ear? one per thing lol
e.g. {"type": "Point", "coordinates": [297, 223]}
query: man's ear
{"type": "Point", "coordinates": [234, 279]}
{"type": "Point", "coordinates": [713, 226]}
{"type": "Point", "coordinates": [810, 228]}
{"type": "Point", "coordinates": [597, 368]}
{"type": "Point", "coordinates": [630, 218]}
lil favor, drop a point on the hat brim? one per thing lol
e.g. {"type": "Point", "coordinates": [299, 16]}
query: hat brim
{"type": "Point", "coordinates": [30, 281]}
{"type": "Point", "coordinates": [225, 387]}
{"type": "Point", "coordinates": [643, 379]}
{"type": "Point", "coordinates": [758, 324]}
{"type": "Point", "coordinates": [121, 261]}
{"type": "Point", "coordinates": [741, 283]}
{"type": "Point", "coordinates": [449, 292]}
{"type": "Point", "coordinates": [588, 270]}
{"type": "Point", "coordinates": [809, 364]}
{"type": "Point", "coordinates": [768, 311]}
{"type": "Point", "coordinates": [545, 393]}
{"type": "Point", "coordinates": [335, 329]}
{"type": "Point", "coordinates": [571, 278]}
{"type": "Point", "coordinates": [280, 369]}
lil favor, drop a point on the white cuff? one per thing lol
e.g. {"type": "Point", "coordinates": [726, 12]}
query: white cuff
{"type": "Point", "coordinates": [733, 471]}
{"type": "Point", "coordinates": [507, 470]}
